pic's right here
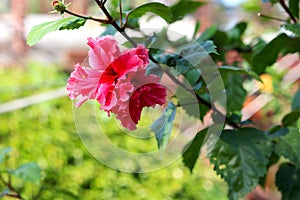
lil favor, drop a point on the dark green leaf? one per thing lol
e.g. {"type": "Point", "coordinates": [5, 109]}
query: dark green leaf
{"type": "Point", "coordinates": [73, 24]}
{"type": "Point", "coordinates": [192, 150]}
{"type": "Point", "coordinates": [272, 1]}
{"type": "Point", "coordinates": [294, 7]}
{"type": "Point", "coordinates": [39, 31]}
{"type": "Point", "coordinates": [231, 69]}
{"type": "Point", "coordinates": [296, 101]}
{"type": "Point", "coordinates": [110, 30]}
{"type": "Point", "coordinates": [196, 30]}
{"type": "Point", "coordinates": [240, 157]}
{"type": "Point", "coordinates": [209, 46]}
{"type": "Point", "coordinates": [234, 117]}
{"type": "Point", "coordinates": [28, 172]}
{"type": "Point", "coordinates": [189, 103]}
{"type": "Point", "coordinates": [288, 181]}
{"type": "Point", "coordinates": [294, 28]}
{"type": "Point", "coordinates": [208, 34]}
{"type": "Point", "coordinates": [183, 8]}
{"type": "Point", "coordinates": [157, 8]}
{"type": "Point", "coordinates": [277, 131]}
{"type": "Point", "coordinates": [289, 146]}
{"type": "Point", "coordinates": [235, 93]}
{"type": "Point", "coordinates": [193, 54]}
{"type": "Point", "coordinates": [158, 42]}
{"type": "Point", "coordinates": [162, 127]}
{"type": "Point", "coordinates": [268, 55]}
{"type": "Point", "coordinates": [183, 66]}
{"type": "Point", "coordinates": [258, 44]}
{"type": "Point", "coordinates": [133, 23]}
{"type": "Point", "coordinates": [154, 69]}
{"type": "Point", "coordinates": [291, 118]}
{"type": "Point", "coordinates": [274, 158]}
{"type": "Point", "coordinates": [234, 35]}
{"type": "Point", "coordinates": [3, 153]}
{"type": "Point", "coordinates": [192, 76]}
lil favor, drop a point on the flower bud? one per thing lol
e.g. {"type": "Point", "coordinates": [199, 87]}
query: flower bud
{"type": "Point", "coordinates": [58, 6]}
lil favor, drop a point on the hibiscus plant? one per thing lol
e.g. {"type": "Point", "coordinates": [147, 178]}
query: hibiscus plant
{"type": "Point", "coordinates": [169, 75]}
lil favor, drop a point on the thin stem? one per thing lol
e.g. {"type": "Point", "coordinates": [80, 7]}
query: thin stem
{"type": "Point", "coordinates": [269, 17]}
{"type": "Point", "coordinates": [126, 21]}
{"type": "Point", "coordinates": [288, 11]}
{"type": "Point", "coordinates": [15, 193]}
{"type": "Point", "coordinates": [11, 188]}
{"type": "Point", "coordinates": [14, 196]}
{"type": "Point", "coordinates": [104, 21]}
{"type": "Point", "coordinates": [99, 3]}
{"type": "Point", "coordinates": [116, 26]}
{"type": "Point", "coordinates": [121, 13]}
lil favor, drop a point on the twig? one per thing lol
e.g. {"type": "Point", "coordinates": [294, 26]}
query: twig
{"type": "Point", "coordinates": [121, 13]}
{"type": "Point", "coordinates": [11, 188]}
{"type": "Point", "coordinates": [104, 21]}
{"type": "Point", "coordinates": [15, 193]}
{"type": "Point", "coordinates": [270, 17]}
{"type": "Point", "coordinates": [288, 11]}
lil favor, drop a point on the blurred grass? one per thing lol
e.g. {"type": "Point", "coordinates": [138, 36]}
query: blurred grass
{"type": "Point", "coordinates": [45, 133]}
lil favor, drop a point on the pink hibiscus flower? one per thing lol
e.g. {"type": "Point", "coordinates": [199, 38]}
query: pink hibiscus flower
{"type": "Point", "coordinates": [117, 81]}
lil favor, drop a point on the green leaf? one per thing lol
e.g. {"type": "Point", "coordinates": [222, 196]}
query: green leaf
{"type": "Point", "coordinates": [235, 93]}
{"type": "Point", "coordinates": [209, 46]}
{"type": "Point", "coordinates": [192, 76]}
{"type": "Point", "coordinates": [196, 30]}
{"type": "Point", "coordinates": [294, 28]}
{"type": "Point", "coordinates": [240, 157]}
{"type": "Point", "coordinates": [296, 101]}
{"type": "Point", "coordinates": [274, 158]}
{"type": "Point", "coordinates": [193, 54]}
{"type": "Point", "coordinates": [268, 55]}
{"type": "Point", "coordinates": [158, 41]}
{"type": "Point", "coordinates": [192, 150]}
{"type": "Point", "coordinates": [294, 7]}
{"type": "Point", "coordinates": [234, 117]}
{"type": "Point", "coordinates": [162, 127]}
{"type": "Point", "coordinates": [272, 1]}
{"type": "Point", "coordinates": [189, 103]}
{"type": "Point", "coordinates": [73, 24]}
{"type": "Point", "coordinates": [28, 172]}
{"type": "Point", "coordinates": [277, 131]}
{"type": "Point", "coordinates": [289, 146]}
{"type": "Point", "coordinates": [288, 181]}
{"type": "Point", "coordinates": [3, 153]}
{"type": "Point", "coordinates": [291, 118]}
{"type": "Point", "coordinates": [234, 35]}
{"type": "Point", "coordinates": [39, 31]}
{"type": "Point", "coordinates": [158, 8]}
{"type": "Point", "coordinates": [110, 30]}
{"type": "Point", "coordinates": [231, 69]}
{"type": "Point", "coordinates": [208, 33]}
{"type": "Point", "coordinates": [184, 7]}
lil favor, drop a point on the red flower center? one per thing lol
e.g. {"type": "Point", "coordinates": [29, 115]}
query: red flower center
{"type": "Point", "coordinates": [109, 76]}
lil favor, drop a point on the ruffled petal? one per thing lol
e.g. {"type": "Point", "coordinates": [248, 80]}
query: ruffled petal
{"type": "Point", "coordinates": [81, 84]}
{"type": "Point", "coordinates": [103, 51]}
{"type": "Point", "coordinates": [147, 95]}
